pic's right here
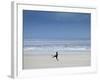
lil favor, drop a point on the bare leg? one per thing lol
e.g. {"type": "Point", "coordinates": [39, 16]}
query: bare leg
{"type": "Point", "coordinates": [57, 59]}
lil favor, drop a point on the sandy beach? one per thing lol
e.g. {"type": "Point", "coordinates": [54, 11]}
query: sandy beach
{"type": "Point", "coordinates": [70, 59]}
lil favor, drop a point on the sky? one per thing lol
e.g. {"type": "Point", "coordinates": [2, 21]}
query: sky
{"type": "Point", "coordinates": [56, 25]}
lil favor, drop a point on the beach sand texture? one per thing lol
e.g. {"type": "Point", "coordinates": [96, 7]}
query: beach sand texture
{"type": "Point", "coordinates": [72, 59]}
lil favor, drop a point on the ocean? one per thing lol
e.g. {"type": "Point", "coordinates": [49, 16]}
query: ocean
{"type": "Point", "coordinates": [62, 46]}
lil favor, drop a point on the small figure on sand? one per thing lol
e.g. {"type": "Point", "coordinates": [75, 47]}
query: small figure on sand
{"type": "Point", "coordinates": [56, 56]}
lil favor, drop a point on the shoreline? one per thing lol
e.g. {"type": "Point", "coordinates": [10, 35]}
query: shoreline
{"type": "Point", "coordinates": [53, 52]}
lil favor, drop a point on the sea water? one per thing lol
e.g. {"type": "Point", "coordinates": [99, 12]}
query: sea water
{"type": "Point", "coordinates": [45, 46]}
